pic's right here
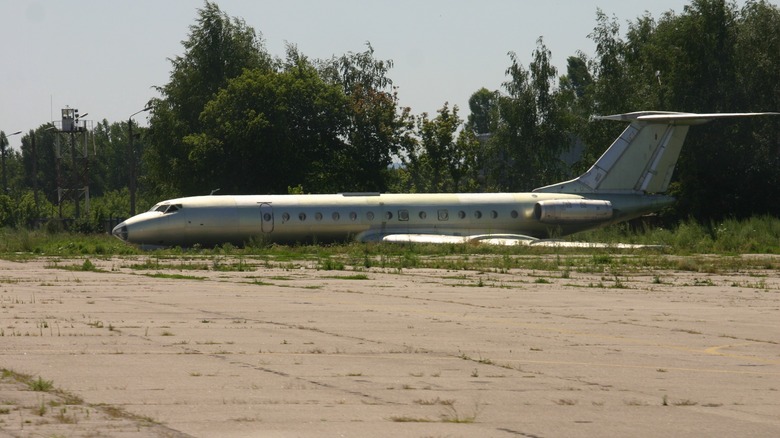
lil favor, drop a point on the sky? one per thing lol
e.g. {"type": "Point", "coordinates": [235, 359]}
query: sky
{"type": "Point", "coordinates": [105, 57]}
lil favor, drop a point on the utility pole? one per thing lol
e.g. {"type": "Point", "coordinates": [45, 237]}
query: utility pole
{"type": "Point", "coordinates": [131, 184]}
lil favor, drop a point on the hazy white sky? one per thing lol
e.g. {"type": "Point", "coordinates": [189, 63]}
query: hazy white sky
{"type": "Point", "coordinates": [104, 56]}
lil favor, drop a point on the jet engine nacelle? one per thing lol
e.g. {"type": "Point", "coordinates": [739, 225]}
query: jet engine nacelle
{"type": "Point", "coordinates": [564, 211]}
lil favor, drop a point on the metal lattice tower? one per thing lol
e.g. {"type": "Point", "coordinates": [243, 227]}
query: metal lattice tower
{"type": "Point", "coordinates": [72, 155]}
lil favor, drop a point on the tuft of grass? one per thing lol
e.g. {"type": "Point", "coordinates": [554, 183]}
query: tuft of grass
{"type": "Point", "coordinates": [174, 276]}
{"type": "Point", "coordinates": [328, 264]}
{"type": "Point", "coordinates": [409, 419]}
{"type": "Point", "coordinates": [88, 266]}
{"type": "Point", "coordinates": [565, 402]}
{"type": "Point", "coordinates": [41, 409]}
{"type": "Point", "coordinates": [40, 385]}
{"type": "Point", "coordinates": [435, 401]}
{"type": "Point", "coordinates": [451, 414]}
{"type": "Point", "coordinates": [348, 277]}
{"type": "Point", "coordinates": [85, 266]}
{"type": "Point", "coordinates": [685, 402]}
{"type": "Point", "coordinates": [63, 417]}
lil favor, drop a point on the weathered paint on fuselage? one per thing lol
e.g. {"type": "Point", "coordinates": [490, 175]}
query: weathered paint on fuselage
{"type": "Point", "coordinates": [211, 220]}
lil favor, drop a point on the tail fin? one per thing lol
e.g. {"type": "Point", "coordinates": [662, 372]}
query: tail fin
{"type": "Point", "coordinates": [643, 158]}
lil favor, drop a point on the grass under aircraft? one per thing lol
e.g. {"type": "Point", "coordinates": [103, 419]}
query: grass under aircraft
{"type": "Point", "coordinates": [626, 182]}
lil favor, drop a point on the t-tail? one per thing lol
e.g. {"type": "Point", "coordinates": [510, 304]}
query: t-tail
{"type": "Point", "coordinates": [643, 158]}
{"type": "Point", "coordinates": [630, 178]}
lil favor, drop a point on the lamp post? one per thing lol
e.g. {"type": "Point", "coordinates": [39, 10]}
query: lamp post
{"type": "Point", "coordinates": [3, 144]}
{"type": "Point", "coordinates": [131, 184]}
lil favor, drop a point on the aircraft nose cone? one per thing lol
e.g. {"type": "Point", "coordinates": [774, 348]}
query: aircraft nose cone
{"type": "Point", "coordinates": [120, 232]}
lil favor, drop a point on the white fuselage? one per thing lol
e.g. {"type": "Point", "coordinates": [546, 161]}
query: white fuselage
{"type": "Point", "coordinates": [211, 220]}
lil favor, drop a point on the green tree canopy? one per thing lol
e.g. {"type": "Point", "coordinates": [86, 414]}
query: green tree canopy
{"type": "Point", "coordinates": [376, 128]}
{"type": "Point", "coordinates": [266, 131]}
{"type": "Point", "coordinates": [530, 135]}
{"type": "Point", "coordinates": [218, 49]}
{"type": "Point", "coordinates": [483, 105]}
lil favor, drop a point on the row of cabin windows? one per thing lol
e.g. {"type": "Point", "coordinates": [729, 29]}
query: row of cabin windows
{"type": "Point", "coordinates": [403, 215]}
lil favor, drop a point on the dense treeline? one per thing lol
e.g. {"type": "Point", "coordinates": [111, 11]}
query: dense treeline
{"type": "Point", "coordinates": [233, 117]}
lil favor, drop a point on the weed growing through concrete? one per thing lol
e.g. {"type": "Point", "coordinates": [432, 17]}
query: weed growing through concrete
{"type": "Point", "coordinates": [40, 385]}
{"type": "Point", "coordinates": [451, 414]}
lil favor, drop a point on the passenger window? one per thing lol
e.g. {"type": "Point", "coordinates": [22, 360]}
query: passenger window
{"type": "Point", "coordinates": [444, 215]}
{"type": "Point", "coordinates": [302, 216]}
{"type": "Point", "coordinates": [462, 214]}
{"type": "Point", "coordinates": [403, 215]}
{"type": "Point", "coordinates": [353, 216]}
{"type": "Point", "coordinates": [388, 215]}
{"type": "Point", "coordinates": [285, 217]}
{"type": "Point", "coordinates": [336, 215]}
{"type": "Point", "coordinates": [423, 215]}
{"type": "Point", "coordinates": [478, 214]}
{"type": "Point", "coordinates": [370, 215]}
{"type": "Point", "coordinates": [318, 216]}
{"type": "Point", "coordinates": [267, 217]}
{"type": "Point", "coordinates": [514, 214]}
{"type": "Point", "coordinates": [493, 214]}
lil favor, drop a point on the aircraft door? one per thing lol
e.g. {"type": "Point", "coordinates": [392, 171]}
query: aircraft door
{"type": "Point", "coordinates": [383, 217]}
{"type": "Point", "coordinates": [266, 217]}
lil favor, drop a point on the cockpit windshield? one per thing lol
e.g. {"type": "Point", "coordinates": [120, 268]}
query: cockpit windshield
{"type": "Point", "coordinates": [166, 208]}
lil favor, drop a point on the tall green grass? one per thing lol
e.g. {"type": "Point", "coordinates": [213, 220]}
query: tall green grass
{"type": "Point", "coordinates": [20, 243]}
{"type": "Point", "coordinates": [757, 235]}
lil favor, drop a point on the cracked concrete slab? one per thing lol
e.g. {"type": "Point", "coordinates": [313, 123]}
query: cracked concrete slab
{"type": "Point", "coordinates": [282, 351]}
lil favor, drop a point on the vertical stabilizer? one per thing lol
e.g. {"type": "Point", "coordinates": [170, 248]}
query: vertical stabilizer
{"type": "Point", "coordinates": [643, 158]}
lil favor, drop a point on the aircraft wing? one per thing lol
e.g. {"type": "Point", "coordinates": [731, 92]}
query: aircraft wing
{"type": "Point", "coordinates": [504, 239]}
{"type": "Point", "coordinates": [493, 239]}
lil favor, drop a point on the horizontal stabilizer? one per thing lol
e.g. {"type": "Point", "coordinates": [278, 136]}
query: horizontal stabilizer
{"type": "Point", "coordinates": [674, 118]}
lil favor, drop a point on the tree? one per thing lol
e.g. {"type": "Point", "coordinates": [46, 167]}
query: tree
{"type": "Point", "coordinates": [376, 129]}
{"type": "Point", "coordinates": [39, 161]}
{"type": "Point", "coordinates": [467, 171]}
{"type": "Point", "coordinates": [274, 129]}
{"type": "Point", "coordinates": [434, 160]}
{"type": "Point", "coordinates": [218, 49]}
{"type": "Point", "coordinates": [526, 147]}
{"type": "Point", "coordinates": [483, 105]}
